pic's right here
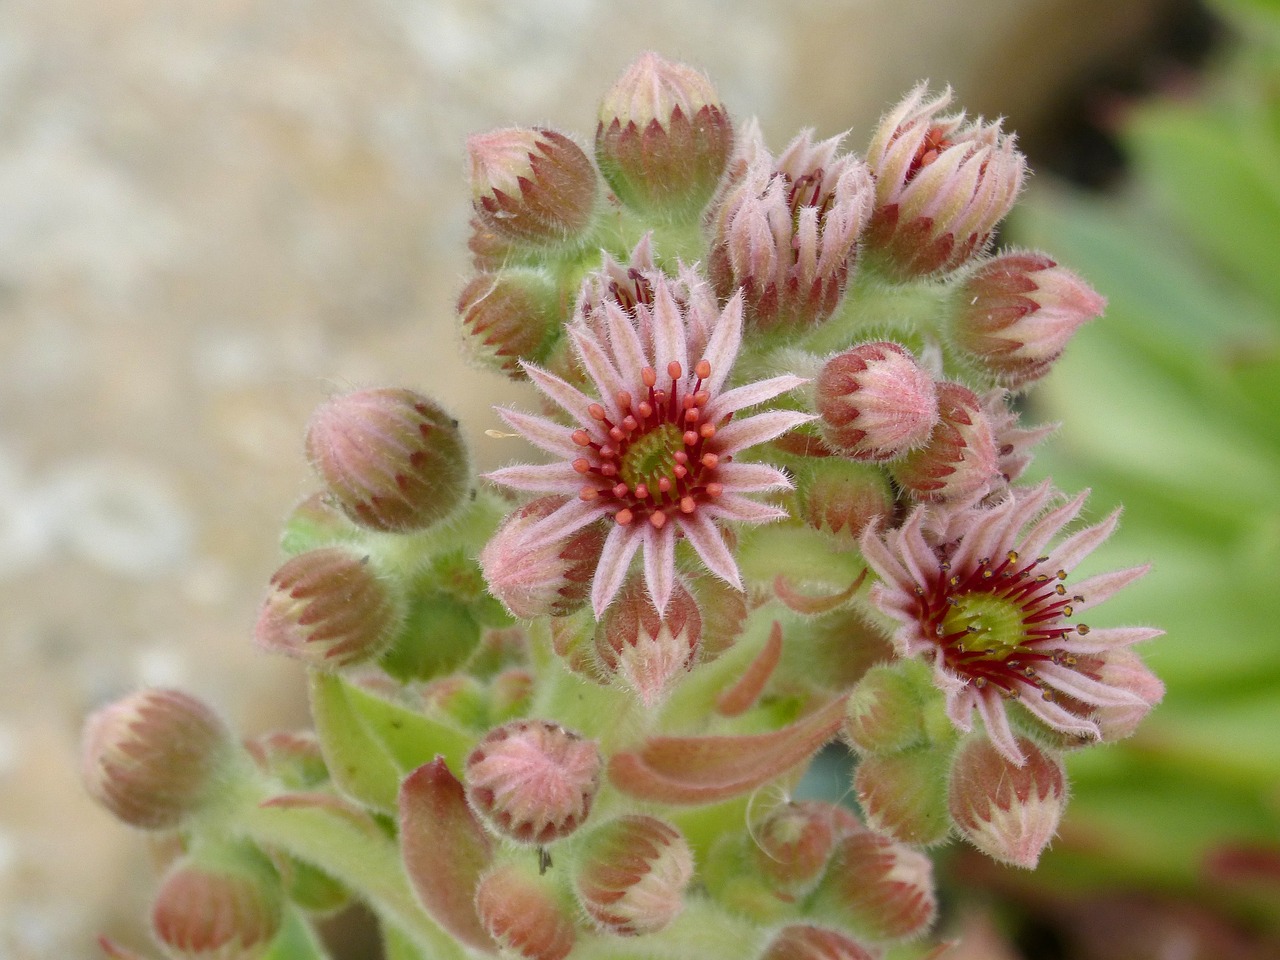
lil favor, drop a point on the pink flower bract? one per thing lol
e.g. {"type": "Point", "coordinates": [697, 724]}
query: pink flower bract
{"type": "Point", "coordinates": [654, 450]}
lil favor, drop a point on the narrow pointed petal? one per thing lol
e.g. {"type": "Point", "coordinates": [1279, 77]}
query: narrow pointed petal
{"type": "Point", "coordinates": [619, 547]}
{"type": "Point", "coordinates": [726, 339]}
{"type": "Point", "coordinates": [749, 395]}
{"type": "Point", "coordinates": [572, 400]}
{"type": "Point", "coordinates": [752, 477]}
{"type": "Point", "coordinates": [627, 348]}
{"type": "Point", "coordinates": [730, 507]}
{"type": "Point", "coordinates": [1079, 545]}
{"type": "Point", "coordinates": [1060, 718]}
{"type": "Point", "coordinates": [600, 368]}
{"type": "Point", "coordinates": [740, 434]}
{"type": "Point", "coordinates": [542, 433]}
{"type": "Point", "coordinates": [538, 478]}
{"type": "Point", "coordinates": [996, 721]}
{"type": "Point", "coordinates": [1087, 689]}
{"type": "Point", "coordinates": [668, 331]}
{"type": "Point", "coordinates": [570, 518]}
{"type": "Point", "coordinates": [1104, 586]}
{"type": "Point", "coordinates": [705, 538]}
{"type": "Point", "coordinates": [1048, 526]}
{"type": "Point", "coordinates": [660, 564]}
{"type": "Point", "coordinates": [1102, 639]}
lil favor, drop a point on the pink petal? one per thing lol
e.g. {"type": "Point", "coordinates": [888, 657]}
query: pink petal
{"type": "Point", "coordinates": [627, 349]}
{"type": "Point", "coordinates": [539, 478]}
{"type": "Point", "coordinates": [751, 394]}
{"type": "Point", "coordinates": [1087, 689]}
{"type": "Point", "coordinates": [1058, 717]}
{"type": "Point", "coordinates": [706, 540]}
{"type": "Point", "coordinates": [608, 381]}
{"type": "Point", "coordinates": [570, 398]}
{"type": "Point", "coordinates": [619, 547]}
{"type": "Point", "coordinates": [740, 434]}
{"type": "Point", "coordinates": [1102, 639]}
{"type": "Point", "coordinates": [996, 720]}
{"type": "Point", "coordinates": [542, 433]}
{"type": "Point", "coordinates": [1079, 545]}
{"type": "Point", "coordinates": [1047, 527]}
{"type": "Point", "coordinates": [570, 518]}
{"type": "Point", "coordinates": [668, 331]}
{"type": "Point", "coordinates": [883, 561]}
{"type": "Point", "coordinates": [722, 348]}
{"type": "Point", "coordinates": [660, 564]}
{"type": "Point", "coordinates": [748, 477]}
{"type": "Point", "coordinates": [731, 507]}
{"type": "Point", "coordinates": [1104, 586]}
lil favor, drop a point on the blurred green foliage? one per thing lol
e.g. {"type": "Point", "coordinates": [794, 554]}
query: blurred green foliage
{"type": "Point", "coordinates": [1171, 406]}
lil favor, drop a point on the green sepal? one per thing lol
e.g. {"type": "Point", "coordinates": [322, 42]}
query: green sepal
{"type": "Point", "coordinates": [296, 940]}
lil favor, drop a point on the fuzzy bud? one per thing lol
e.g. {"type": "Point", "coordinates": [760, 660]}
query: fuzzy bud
{"type": "Point", "coordinates": [509, 316]}
{"type": "Point", "coordinates": [724, 612]}
{"type": "Point", "coordinates": [807, 942]}
{"type": "Point", "coordinates": [942, 186]}
{"type": "Point", "coordinates": [218, 907]}
{"type": "Point", "coordinates": [1016, 313]}
{"type": "Point", "coordinates": [876, 402]}
{"type": "Point", "coordinates": [840, 497]}
{"type": "Point", "coordinates": [533, 781]}
{"type": "Point", "coordinates": [884, 713]}
{"type": "Point", "coordinates": [663, 138]}
{"type": "Point", "coordinates": [531, 186]}
{"type": "Point", "coordinates": [960, 457]}
{"type": "Point", "coordinates": [552, 579]}
{"type": "Point", "coordinates": [880, 889]}
{"type": "Point", "coordinates": [292, 757]}
{"type": "Point", "coordinates": [524, 914]}
{"type": "Point", "coordinates": [392, 459]}
{"type": "Point", "coordinates": [328, 608]}
{"type": "Point", "coordinates": [904, 794]}
{"type": "Point", "coordinates": [647, 652]}
{"type": "Point", "coordinates": [632, 875]}
{"type": "Point", "coordinates": [793, 843]}
{"type": "Point", "coordinates": [155, 757]}
{"type": "Point", "coordinates": [1008, 812]}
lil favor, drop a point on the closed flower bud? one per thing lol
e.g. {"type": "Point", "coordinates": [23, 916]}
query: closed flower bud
{"type": "Point", "coordinates": [959, 459]}
{"type": "Point", "coordinates": [1009, 812]}
{"type": "Point", "coordinates": [155, 757]}
{"type": "Point", "coordinates": [328, 608]}
{"type": "Point", "coordinates": [879, 889]}
{"type": "Point", "coordinates": [645, 651]}
{"type": "Point", "coordinates": [1016, 312]}
{"type": "Point", "coordinates": [632, 873]}
{"type": "Point", "coordinates": [531, 186]}
{"type": "Point", "coordinates": [840, 497]}
{"type": "Point", "coordinates": [550, 579]}
{"type": "Point", "coordinates": [884, 713]}
{"type": "Point", "coordinates": [793, 843]}
{"type": "Point", "coordinates": [291, 756]}
{"type": "Point", "coordinates": [316, 522]}
{"type": "Point", "coordinates": [223, 905]}
{"type": "Point", "coordinates": [525, 914]}
{"type": "Point", "coordinates": [876, 402]}
{"type": "Point", "coordinates": [724, 615]}
{"type": "Point", "coordinates": [510, 694]}
{"type": "Point", "coordinates": [392, 459]}
{"type": "Point", "coordinates": [663, 138]}
{"type": "Point", "coordinates": [533, 781]}
{"type": "Point", "coordinates": [807, 942]}
{"type": "Point", "coordinates": [785, 230]}
{"type": "Point", "coordinates": [509, 316]}
{"type": "Point", "coordinates": [942, 186]}
{"type": "Point", "coordinates": [904, 794]}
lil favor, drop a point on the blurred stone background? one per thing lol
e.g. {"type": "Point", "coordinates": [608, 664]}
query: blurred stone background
{"type": "Point", "coordinates": [214, 214]}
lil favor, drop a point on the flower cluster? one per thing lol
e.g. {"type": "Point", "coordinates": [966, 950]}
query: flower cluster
{"type": "Point", "coordinates": [561, 709]}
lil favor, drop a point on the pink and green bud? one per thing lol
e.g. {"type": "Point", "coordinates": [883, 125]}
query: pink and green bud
{"type": "Point", "coordinates": [1010, 812]}
{"type": "Point", "coordinates": [877, 888]}
{"type": "Point", "coordinates": [533, 781]}
{"type": "Point", "coordinates": [573, 638]}
{"type": "Point", "coordinates": [525, 914]}
{"type": "Point", "coordinates": [292, 757]}
{"type": "Point", "coordinates": [459, 697]}
{"type": "Point", "coordinates": [876, 402]}
{"type": "Point", "coordinates": [310, 888]}
{"type": "Point", "coordinates": [1124, 670]}
{"type": "Point", "coordinates": [224, 905]}
{"type": "Point", "coordinates": [884, 713]}
{"type": "Point", "coordinates": [807, 942]}
{"type": "Point", "coordinates": [510, 694]}
{"type": "Point", "coordinates": [392, 459]}
{"type": "Point", "coordinates": [904, 795]}
{"type": "Point", "coordinates": [840, 497]}
{"type": "Point", "coordinates": [445, 850]}
{"type": "Point", "coordinates": [1016, 312]}
{"type": "Point", "coordinates": [531, 186]}
{"type": "Point", "coordinates": [724, 615]}
{"type": "Point", "coordinates": [664, 138]}
{"type": "Point", "coordinates": [632, 873]}
{"type": "Point", "coordinates": [942, 186]}
{"type": "Point", "coordinates": [329, 609]}
{"type": "Point", "coordinates": [645, 651]}
{"type": "Point", "coordinates": [785, 231]}
{"type": "Point", "coordinates": [548, 578]}
{"type": "Point", "coordinates": [959, 459]}
{"type": "Point", "coordinates": [316, 522]}
{"type": "Point", "coordinates": [509, 316]}
{"type": "Point", "coordinates": [155, 757]}
{"type": "Point", "coordinates": [793, 843]}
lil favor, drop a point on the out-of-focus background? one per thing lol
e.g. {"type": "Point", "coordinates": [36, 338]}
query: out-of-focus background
{"type": "Point", "coordinates": [213, 215]}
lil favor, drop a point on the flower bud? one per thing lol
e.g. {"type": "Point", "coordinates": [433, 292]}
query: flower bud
{"type": "Point", "coordinates": [524, 914]}
{"type": "Point", "coordinates": [632, 874]}
{"type": "Point", "coordinates": [316, 522]}
{"type": "Point", "coordinates": [510, 694]}
{"type": "Point", "coordinates": [309, 887]}
{"type": "Point", "coordinates": [793, 843]}
{"type": "Point", "coordinates": [785, 231]}
{"type": "Point", "coordinates": [942, 186]}
{"type": "Point", "coordinates": [645, 651]}
{"type": "Point", "coordinates": [552, 579]}
{"type": "Point", "coordinates": [663, 138]}
{"type": "Point", "coordinates": [328, 608]}
{"type": "Point", "coordinates": [1016, 312]}
{"type": "Point", "coordinates": [876, 402]}
{"type": "Point", "coordinates": [292, 757]}
{"type": "Point", "coordinates": [1124, 670]}
{"type": "Point", "coordinates": [724, 615]}
{"type": "Point", "coordinates": [959, 459]}
{"type": "Point", "coordinates": [878, 888]}
{"type": "Point", "coordinates": [509, 316]}
{"type": "Point", "coordinates": [460, 698]}
{"type": "Point", "coordinates": [155, 757]}
{"type": "Point", "coordinates": [884, 713]}
{"type": "Point", "coordinates": [904, 794]}
{"type": "Point", "coordinates": [807, 942]}
{"type": "Point", "coordinates": [1008, 812]}
{"type": "Point", "coordinates": [392, 459]}
{"type": "Point", "coordinates": [533, 781]}
{"type": "Point", "coordinates": [573, 638]}
{"type": "Point", "coordinates": [218, 906]}
{"type": "Point", "coordinates": [531, 186]}
{"type": "Point", "coordinates": [840, 497]}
